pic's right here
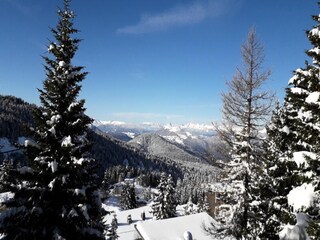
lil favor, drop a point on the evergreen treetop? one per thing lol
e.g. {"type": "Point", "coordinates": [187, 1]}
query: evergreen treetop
{"type": "Point", "coordinates": [57, 194]}
{"type": "Point", "coordinates": [294, 143]}
{"type": "Point", "coordinates": [246, 108]}
{"type": "Point", "coordinates": [165, 202]}
{"type": "Point", "coordinates": [128, 197]}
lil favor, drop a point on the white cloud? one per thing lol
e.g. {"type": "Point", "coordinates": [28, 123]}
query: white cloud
{"type": "Point", "coordinates": [179, 16]}
{"type": "Point", "coordinates": [21, 7]}
{"type": "Point", "coordinates": [141, 117]}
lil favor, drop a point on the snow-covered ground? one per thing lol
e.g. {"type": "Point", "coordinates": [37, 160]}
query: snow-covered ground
{"type": "Point", "coordinates": [176, 228]}
{"type": "Point", "coordinates": [5, 196]}
{"type": "Point", "coordinates": [127, 231]}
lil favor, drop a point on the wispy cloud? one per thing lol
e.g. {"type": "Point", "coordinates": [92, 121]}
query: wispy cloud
{"type": "Point", "coordinates": [179, 16]}
{"type": "Point", "coordinates": [21, 7]}
{"type": "Point", "coordinates": [141, 117]}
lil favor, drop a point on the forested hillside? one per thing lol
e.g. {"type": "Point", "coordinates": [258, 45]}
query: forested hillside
{"type": "Point", "coordinates": [156, 145]}
{"type": "Point", "coordinates": [15, 115]}
{"type": "Point", "coordinates": [108, 151]}
{"type": "Point", "coordinates": [247, 166]}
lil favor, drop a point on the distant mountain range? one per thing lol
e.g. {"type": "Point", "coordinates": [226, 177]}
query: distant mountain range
{"type": "Point", "coordinates": [168, 148]}
{"type": "Point", "coordinates": [154, 144]}
{"type": "Point", "coordinates": [131, 130]}
{"type": "Point", "coordinates": [191, 142]}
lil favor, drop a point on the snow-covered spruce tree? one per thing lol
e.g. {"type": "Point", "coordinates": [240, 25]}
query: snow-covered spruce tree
{"type": "Point", "coordinates": [203, 205]}
{"type": "Point", "coordinates": [7, 178]}
{"type": "Point", "coordinates": [282, 173]}
{"type": "Point", "coordinates": [112, 230]}
{"type": "Point", "coordinates": [295, 144]}
{"type": "Point", "coordinates": [246, 108]}
{"type": "Point", "coordinates": [128, 197]}
{"type": "Point", "coordinates": [165, 203]}
{"type": "Point", "coordinates": [190, 208]}
{"type": "Point", "coordinates": [105, 186]}
{"type": "Point", "coordinates": [56, 196]}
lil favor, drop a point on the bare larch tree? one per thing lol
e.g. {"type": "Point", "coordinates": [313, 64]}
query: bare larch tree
{"type": "Point", "coordinates": [246, 108]}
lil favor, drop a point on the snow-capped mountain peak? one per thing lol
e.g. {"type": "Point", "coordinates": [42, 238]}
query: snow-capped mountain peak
{"type": "Point", "coordinates": [193, 137]}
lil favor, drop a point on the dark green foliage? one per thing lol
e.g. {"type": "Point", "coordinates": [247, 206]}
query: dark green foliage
{"type": "Point", "coordinates": [295, 128]}
{"type": "Point", "coordinates": [105, 185]}
{"type": "Point", "coordinates": [15, 117]}
{"type": "Point", "coordinates": [203, 204]}
{"type": "Point", "coordinates": [56, 196]}
{"type": "Point", "coordinates": [280, 178]}
{"type": "Point", "coordinates": [110, 152]}
{"type": "Point", "coordinates": [144, 177]}
{"type": "Point", "coordinates": [7, 178]}
{"type": "Point", "coordinates": [107, 151]}
{"type": "Point", "coordinates": [165, 202]}
{"type": "Point", "coordinates": [128, 197]}
{"type": "Point", "coordinates": [189, 208]}
{"type": "Point", "coordinates": [112, 229]}
{"type": "Point", "coordinates": [192, 185]}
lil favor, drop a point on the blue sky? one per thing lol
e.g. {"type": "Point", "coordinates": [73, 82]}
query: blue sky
{"type": "Point", "coordinates": [155, 61]}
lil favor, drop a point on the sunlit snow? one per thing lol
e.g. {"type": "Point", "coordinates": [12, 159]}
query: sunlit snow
{"type": "Point", "coordinates": [313, 97]}
{"type": "Point", "coordinates": [301, 197]}
{"type": "Point", "coordinates": [66, 142]}
{"type": "Point", "coordinates": [300, 157]}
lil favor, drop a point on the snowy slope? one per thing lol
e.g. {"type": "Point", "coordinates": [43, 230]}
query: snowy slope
{"type": "Point", "coordinates": [176, 228]}
{"type": "Point", "coordinates": [185, 131]}
{"type": "Point", "coordinates": [127, 231]}
{"type": "Point", "coordinates": [195, 138]}
{"type": "Point", "coordinates": [172, 226]}
{"type": "Point", "coordinates": [125, 131]}
{"type": "Point", "coordinates": [156, 145]}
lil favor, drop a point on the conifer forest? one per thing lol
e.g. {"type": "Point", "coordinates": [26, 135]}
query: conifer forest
{"type": "Point", "coordinates": [254, 174]}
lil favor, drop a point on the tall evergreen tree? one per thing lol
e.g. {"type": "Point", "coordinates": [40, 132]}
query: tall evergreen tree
{"type": "Point", "coordinates": [189, 208]}
{"type": "Point", "coordinates": [128, 197]}
{"type": "Point", "coordinates": [57, 195]}
{"type": "Point", "coordinates": [112, 230]}
{"type": "Point", "coordinates": [246, 108]}
{"type": "Point", "coordinates": [165, 202]}
{"type": "Point", "coordinates": [294, 141]}
{"type": "Point", "coordinates": [7, 178]}
{"type": "Point", "coordinates": [105, 185]}
{"type": "Point", "coordinates": [283, 174]}
{"type": "Point", "coordinates": [203, 205]}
